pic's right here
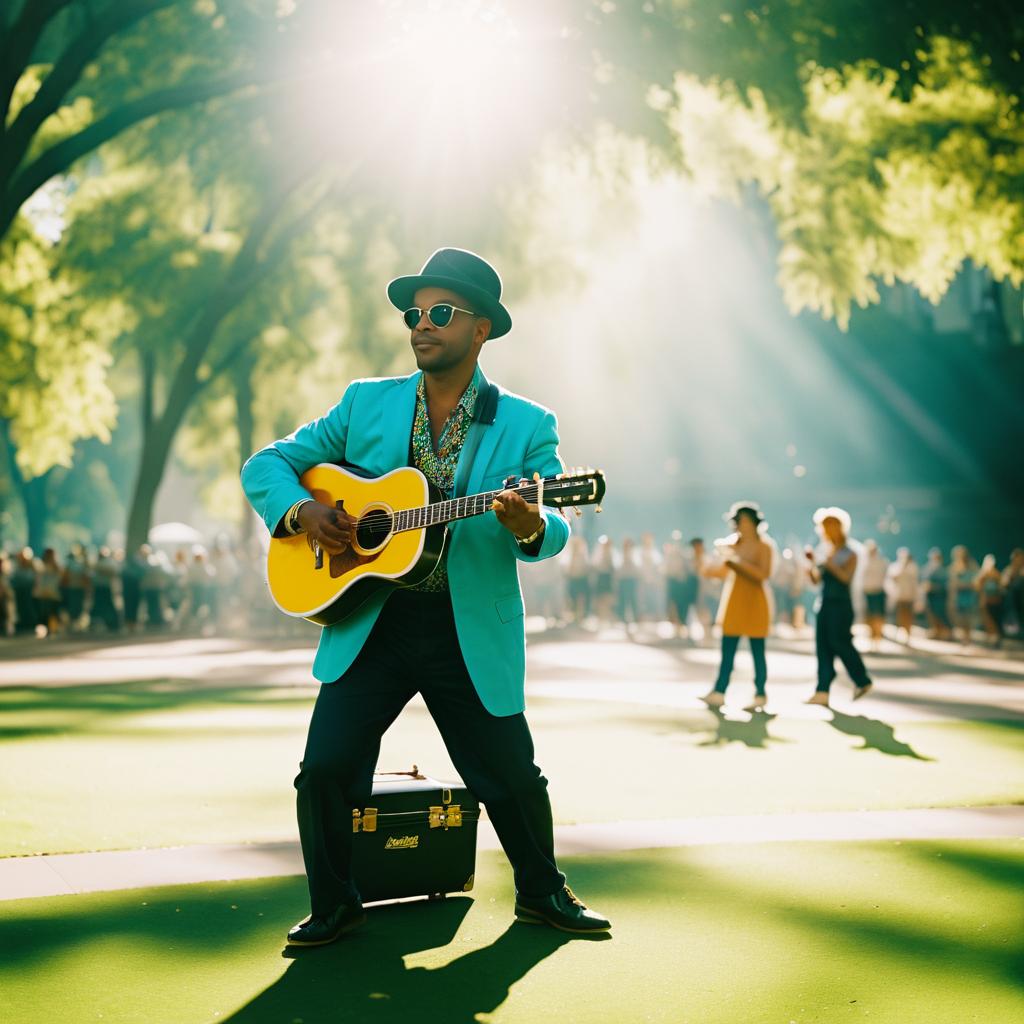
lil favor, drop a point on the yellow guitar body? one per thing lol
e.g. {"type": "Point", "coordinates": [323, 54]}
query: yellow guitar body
{"type": "Point", "coordinates": [398, 536]}
{"type": "Point", "coordinates": [302, 589]}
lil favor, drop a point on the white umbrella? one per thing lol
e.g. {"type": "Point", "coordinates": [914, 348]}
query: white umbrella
{"type": "Point", "coordinates": [175, 533]}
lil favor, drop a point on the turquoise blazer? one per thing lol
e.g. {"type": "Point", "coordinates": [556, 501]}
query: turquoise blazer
{"type": "Point", "coordinates": [371, 428]}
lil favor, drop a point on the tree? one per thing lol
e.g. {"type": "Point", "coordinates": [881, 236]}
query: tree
{"type": "Point", "coordinates": [872, 186]}
{"type": "Point", "coordinates": [54, 343]}
{"type": "Point", "coordinates": [76, 74]}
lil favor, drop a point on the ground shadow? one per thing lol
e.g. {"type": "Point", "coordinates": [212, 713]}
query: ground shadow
{"type": "Point", "coordinates": [751, 732]}
{"type": "Point", "coordinates": [365, 978]}
{"type": "Point", "coordinates": [200, 919]}
{"type": "Point", "coordinates": [1000, 868]}
{"type": "Point", "coordinates": [877, 735]}
{"type": "Point", "coordinates": [680, 893]}
{"type": "Point", "coordinates": [28, 648]}
{"type": "Point", "coordinates": [96, 707]}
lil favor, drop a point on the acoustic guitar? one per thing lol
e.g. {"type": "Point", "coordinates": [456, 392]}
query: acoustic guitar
{"type": "Point", "coordinates": [398, 535]}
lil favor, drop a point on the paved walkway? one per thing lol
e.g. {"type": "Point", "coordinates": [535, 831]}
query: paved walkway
{"type": "Point", "coordinates": [937, 683]}
{"type": "Point", "coordinates": [64, 874]}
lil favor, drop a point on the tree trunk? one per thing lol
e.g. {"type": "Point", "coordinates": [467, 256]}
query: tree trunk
{"type": "Point", "coordinates": [242, 380]}
{"type": "Point", "coordinates": [244, 274]}
{"type": "Point", "coordinates": [37, 512]}
{"type": "Point", "coordinates": [156, 447]}
{"type": "Point", "coordinates": [32, 493]}
{"type": "Point", "coordinates": [139, 519]}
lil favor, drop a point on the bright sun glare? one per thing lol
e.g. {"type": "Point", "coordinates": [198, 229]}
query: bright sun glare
{"type": "Point", "coordinates": [444, 79]}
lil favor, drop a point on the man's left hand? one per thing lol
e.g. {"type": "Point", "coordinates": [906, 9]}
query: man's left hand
{"type": "Point", "coordinates": [516, 514]}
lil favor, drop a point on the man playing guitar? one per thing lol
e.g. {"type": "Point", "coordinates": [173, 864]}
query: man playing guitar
{"type": "Point", "coordinates": [457, 637]}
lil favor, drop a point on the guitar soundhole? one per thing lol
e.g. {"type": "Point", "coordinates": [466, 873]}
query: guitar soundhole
{"type": "Point", "coordinates": [373, 529]}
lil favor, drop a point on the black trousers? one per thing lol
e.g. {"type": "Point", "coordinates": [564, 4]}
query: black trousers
{"type": "Point", "coordinates": [412, 648]}
{"type": "Point", "coordinates": [834, 639]}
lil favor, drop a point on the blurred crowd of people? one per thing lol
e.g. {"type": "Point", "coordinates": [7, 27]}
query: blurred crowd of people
{"type": "Point", "coordinates": [634, 581]}
{"type": "Point", "coordinates": [223, 586]}
{"type": "Point", "coordinates": [193, 588]}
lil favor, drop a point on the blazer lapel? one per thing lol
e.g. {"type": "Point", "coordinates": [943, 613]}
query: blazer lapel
{"type": "Point", "coordinates": [397, 415]}
{"type": "Point", "coordinates": [488, 443]}
{"type": "Point", "coordinates": [478, 446]}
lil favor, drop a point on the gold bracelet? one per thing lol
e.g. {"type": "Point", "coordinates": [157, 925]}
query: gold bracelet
{"type": "Point", "coordinates": [290, 517]}
{"type": "Point", "coordinates": [533, 536]}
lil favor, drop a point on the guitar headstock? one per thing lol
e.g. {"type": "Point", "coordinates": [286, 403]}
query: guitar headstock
{"type": "Point", "coordinates": [575, 487]}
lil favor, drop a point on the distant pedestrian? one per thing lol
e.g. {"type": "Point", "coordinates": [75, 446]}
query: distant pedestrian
{"type": "Point", "coordinates": [153, 585]}
{"type": "Point", "coordinates": [577, 579]}
{"type": "Point", "coordinates": [680, 581]}
{"type": "Point", "coordinates": [783, 580]}
{"type": "Point", "coordinates": [604, 579]}
{"type": "Point", "coordinates": [6, 595]}
{"type": "Point", "coordinates": [23, 582]}
{"type": "Point", "coordinates": [134, 568]}
{"type": "Point", "coordinates": [935, 579]}
{"type": "Point", "coordinates": [834, 565]}
{"type": "Point", "coordinates": [902, 585]}
{"type": "Point", "coordinates": [872, 580]}
{"type": "Point", "coordinates": [651, 595]}
{"type": "Point", "coordinates": [628, 578]}
{"type": "Point", "coordinates": [1013, 583]}
{"type": "Point", "coordinates": [745, 609]}
{"type": "Point", "coordinates": [76, 587]}
{"type": "Point", "coordinates": [989, 585]}
{"type": "Point", "coordinates": [709, 592]}
{"type": "Point", "coordinates": [202, 582]}
{"type": "Point", "coordinates": [47, 593]}
{"type": "Point", "coordinates": [106, 592]}
{"type": "Point", "coordinates": [963, 572]}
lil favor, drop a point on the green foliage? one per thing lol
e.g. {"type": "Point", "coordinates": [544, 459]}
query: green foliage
{"type": "Point", "coordinates": [872, 186]}
{"type": "Point", "coordinates": [54, 351]}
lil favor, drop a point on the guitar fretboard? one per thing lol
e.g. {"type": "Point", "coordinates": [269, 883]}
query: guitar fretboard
{"type": "Point", "coordinates": [454, 508]}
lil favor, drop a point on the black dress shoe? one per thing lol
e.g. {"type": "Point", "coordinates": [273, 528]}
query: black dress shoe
{"type": "Point", "coordinates": [561, 910]}
{"type": "Point", "coordinates": [318, 931]}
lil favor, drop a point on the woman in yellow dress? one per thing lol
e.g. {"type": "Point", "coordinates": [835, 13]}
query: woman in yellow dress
{"type": "Point", "coordinates": [745, 610]}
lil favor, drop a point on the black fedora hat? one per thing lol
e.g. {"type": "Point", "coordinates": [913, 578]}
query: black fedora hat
{"type": "Point", "coordinates": [465, 273]}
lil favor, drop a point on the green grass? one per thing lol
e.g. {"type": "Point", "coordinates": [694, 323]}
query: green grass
{"type": "Point", "coordinates": [913, 932]}
{"type": "Point", "coordinates": [168, 762]}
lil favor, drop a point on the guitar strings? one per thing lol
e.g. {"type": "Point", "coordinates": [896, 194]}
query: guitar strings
{"type": "Point", "coordinates": [386, 525]}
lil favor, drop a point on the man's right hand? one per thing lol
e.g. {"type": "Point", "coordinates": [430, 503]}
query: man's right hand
{"type": "Point", "coordinates": [331, 528]}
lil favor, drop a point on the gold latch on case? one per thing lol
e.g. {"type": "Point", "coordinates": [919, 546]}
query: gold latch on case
{"type": "Point", "coordinates": [368, 819]}
{"type": "Point", "coordinates": [446, 817]}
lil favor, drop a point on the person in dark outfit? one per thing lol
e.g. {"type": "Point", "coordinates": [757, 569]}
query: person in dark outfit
{"type": "Point", "coordinates": [106, 591]}
{"type": "Point", "coordinates": [23, 582]}
{"type": "Point", "coordinates": [450, 638]}
{"type": "Point", "coordinates": [833, 630]}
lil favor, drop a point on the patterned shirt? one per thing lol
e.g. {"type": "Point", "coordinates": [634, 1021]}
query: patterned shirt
{"type": "Point", "coordinates": [438, 465]}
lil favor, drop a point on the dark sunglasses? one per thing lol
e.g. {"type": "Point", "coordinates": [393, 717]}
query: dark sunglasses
{"type": "Point", "coordinates": [440, 314]}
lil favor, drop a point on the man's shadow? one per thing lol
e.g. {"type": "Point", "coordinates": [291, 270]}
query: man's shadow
{"type": "Point", "coordinates": [362, 977]}
{"type": "Point", "coordinates": [877, 735]}
{"type": "Point", "coordinates": [752, 731]}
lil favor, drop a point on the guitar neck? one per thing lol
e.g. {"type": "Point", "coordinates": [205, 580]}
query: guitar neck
{"type": "Point", "coordinates": [455, 508]}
